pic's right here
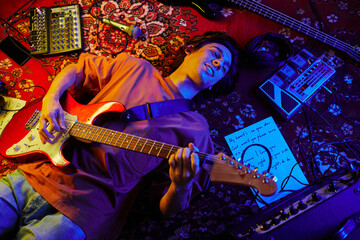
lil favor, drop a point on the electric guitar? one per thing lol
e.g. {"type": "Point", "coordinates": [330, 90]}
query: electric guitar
{"type": "Point", "coordinates": [202, 7]}
{"type": "Point", "coordinates": [20, 141]}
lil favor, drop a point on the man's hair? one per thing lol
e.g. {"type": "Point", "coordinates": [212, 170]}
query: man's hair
{"type": "Point", "coordinates": [228, 82]}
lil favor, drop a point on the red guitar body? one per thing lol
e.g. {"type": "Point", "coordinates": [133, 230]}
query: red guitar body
{"type": "Point", "coordinates": [16, 136]}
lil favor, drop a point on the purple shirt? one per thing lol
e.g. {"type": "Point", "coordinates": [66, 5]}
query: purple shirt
{"type": "Point", "coordinates": [97, 189]}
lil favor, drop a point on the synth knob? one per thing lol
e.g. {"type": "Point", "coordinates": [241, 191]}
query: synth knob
{"type": "Point", "coordinates": [274, 221]}
{"type": "Point", "coordinates": [315, 197]}
{"type": "Point", "coordinates": [293, 210]}
{"type": "Point", "coordinates": [332, 187]}
{"type": "Point", "coordinates": [251, 230]}
{"type": "Point", "coordinates": [301, 205]}
{"type": "Point", "coordinates": [265, 226]}
{"type": "Point", "coordinates": [283, 215]}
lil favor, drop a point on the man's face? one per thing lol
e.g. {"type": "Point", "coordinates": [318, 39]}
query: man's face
{"type": "Point", "coordinates": [209, 64]}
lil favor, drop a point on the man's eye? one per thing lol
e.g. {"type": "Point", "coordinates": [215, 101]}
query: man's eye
{"type": "Point", "coordinates": [215, 54]}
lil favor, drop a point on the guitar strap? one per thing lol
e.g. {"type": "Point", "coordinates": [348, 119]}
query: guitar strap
{"type": "Point", "coordinates": [156, 109]}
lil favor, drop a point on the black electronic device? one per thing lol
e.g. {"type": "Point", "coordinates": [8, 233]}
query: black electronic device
{"type": "Point", "coordinates": [55, 30]}
{"type": "Point", "coordinates": [3, 92]}
{"type": "Point", "coordinates": [327, 210]}
{"type": "Point", "coordinates": [280, 51]}
{"type": "Point", "coordinates": [15, 50]}
{"type": "Point", "coordinates": [296, 82]}
{"type": "Point", "coordinates": [2, 102]}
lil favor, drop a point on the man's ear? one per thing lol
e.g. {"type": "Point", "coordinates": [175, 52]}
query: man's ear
{"type": "Point", "coordinates": [189, 49]}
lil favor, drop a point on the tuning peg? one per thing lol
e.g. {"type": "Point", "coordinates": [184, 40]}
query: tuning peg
{"type": "Point", "coordinates": [265, 173]}
{"type": "Point", "coordinates": [256, 169]}
{"type": "Point", "coordinates": [274, 178]}
{"type": "Point", "coordinates": [256, 175]}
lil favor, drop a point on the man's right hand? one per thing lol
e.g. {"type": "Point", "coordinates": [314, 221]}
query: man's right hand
{"type": "Point", "coordinates": [51, 120]}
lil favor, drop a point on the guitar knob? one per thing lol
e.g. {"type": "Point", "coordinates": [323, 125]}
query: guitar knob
{"type": "Point", "coordinates": [31, 137]}
{"type": "Point", "coordinates": [16, 148]}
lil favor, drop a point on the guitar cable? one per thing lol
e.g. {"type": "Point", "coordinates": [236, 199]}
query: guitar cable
{"type": "Point", "coordinates": [241, 160]}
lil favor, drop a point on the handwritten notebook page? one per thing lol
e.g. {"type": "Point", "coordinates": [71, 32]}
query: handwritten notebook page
{"type": "Point", "coordinates": [12, 105]}
{"type": "Point", "coordinates": [266, 133]}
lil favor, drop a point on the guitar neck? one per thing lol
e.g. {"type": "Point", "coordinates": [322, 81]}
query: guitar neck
{"type": "Point", "coordinates": [224, 170]}
{"type": "Point", "coordinates": [296, 25]}
{"type": "Point", "coordinates": [123, 140]}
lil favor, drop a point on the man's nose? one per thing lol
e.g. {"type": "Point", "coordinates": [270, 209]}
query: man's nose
{"type": "Point", "coordinates": [216, 63]}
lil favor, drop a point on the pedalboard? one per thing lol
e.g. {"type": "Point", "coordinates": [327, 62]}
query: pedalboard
{"type": "Point", "coordinates": [296, 82]}
{"type": "Point", "coordinates": [55, 30]}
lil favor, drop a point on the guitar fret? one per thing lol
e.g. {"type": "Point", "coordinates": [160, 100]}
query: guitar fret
{"type": "Point", "coordinates": [137, 143]}
{"type": "Point", "coordinates": [152, 147]}
{"type": "Point", "coordinates": [144, 145]}
{"type": "Point", "coordinates": [108, 136]}
{"type": "Point", "coordinates": [78, 130]}
{"type": "Point", "coordinates": [129, 142]}
{"type": "Point", "coordinates": [168, 155]}
{"type": "Point", "coordinates": [140, 144]}
{"type": "Point", "coordinates": [160, 149]}
{"type": "Point", "coordinates": [120, 135]}
{"type": "Point", "coordinates": [87, 131]}
{"type": "Point", "coordinates": [82, 131]}
{"type": "Point", "coordinates": [124, 141]}
{"type": "Point", "coordinates": [113, 136]}
{"type": "Point", "coordinates": [98, 134]}
{"type": "Point", "coordinates": [90, 132]}
{"type": "Point", "coordinates": [105, 135]}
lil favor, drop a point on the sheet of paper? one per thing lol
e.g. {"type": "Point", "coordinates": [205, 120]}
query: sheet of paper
{"type": "Point", "coordinates": [12, 105]}
{"type": "Point", "coordinates": [266, 133]}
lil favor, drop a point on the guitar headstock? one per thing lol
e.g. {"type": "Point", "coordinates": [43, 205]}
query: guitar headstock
{"type": "Point", "coordinates": [227, 170]}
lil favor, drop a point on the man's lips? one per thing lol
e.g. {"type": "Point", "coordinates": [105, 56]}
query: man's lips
{"type": "Point", "coordinates": [209, 69]}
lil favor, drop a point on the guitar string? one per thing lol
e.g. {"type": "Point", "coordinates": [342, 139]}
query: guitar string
{"type": "Point", "coordinates": [165, 147]}
{"type": "Point", "coordinates": [298, 24]}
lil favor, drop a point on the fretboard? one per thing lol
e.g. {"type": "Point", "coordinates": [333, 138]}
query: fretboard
{"type": "Point", "coordinates": [296, 25]}
{"type": "Point", "coordinates": [121, 140]}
